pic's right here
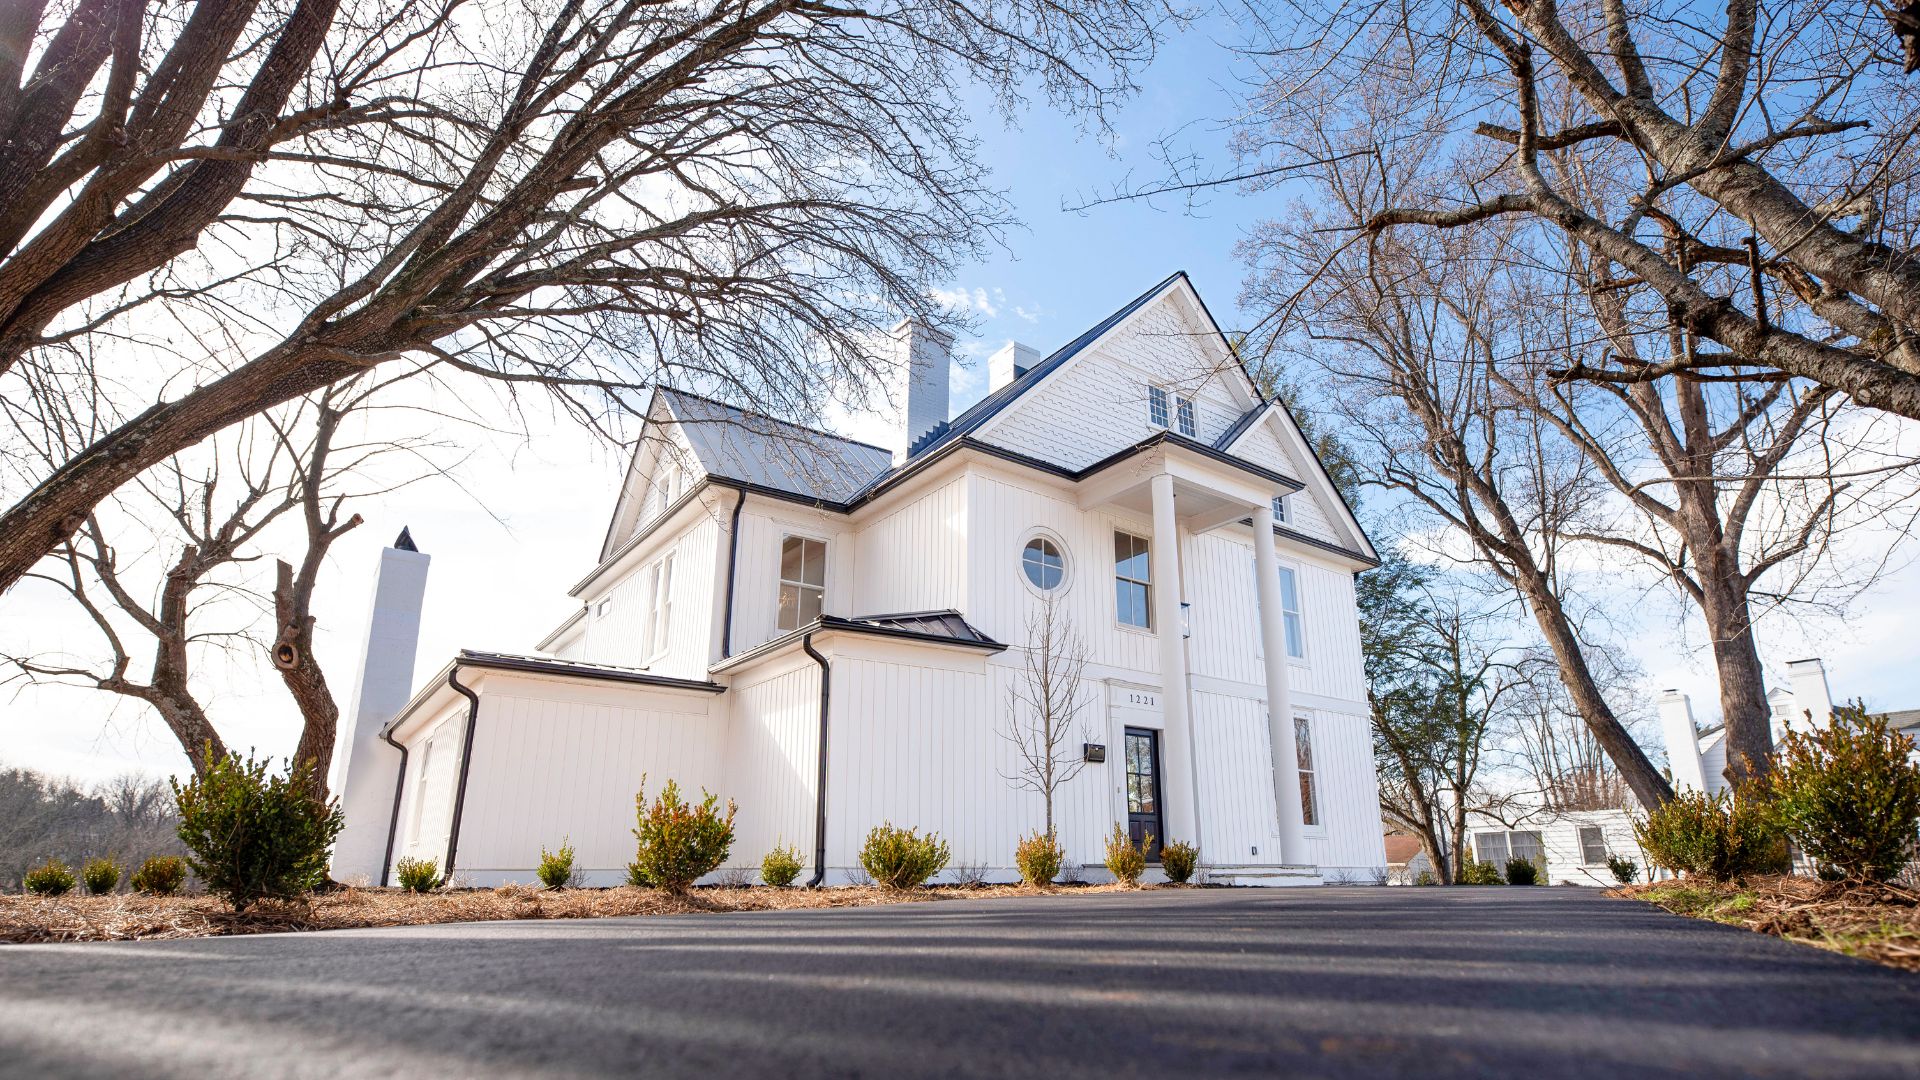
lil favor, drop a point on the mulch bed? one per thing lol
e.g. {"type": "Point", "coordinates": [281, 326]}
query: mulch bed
{"type": "Point", "coordinates": [1875, 922]}
{"type": "Point", "coordinates": [132, 916]}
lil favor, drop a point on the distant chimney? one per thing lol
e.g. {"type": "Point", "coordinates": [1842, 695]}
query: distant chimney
{"type": "Point", "coordinates": [916, 384]}
{"type": "Point", "coordinates": [363, 765]}
{"type": "Point", "coordinates": [1012, 361]}
{"type": "Point", "coordinates": [1683, 743]}
{"type": "Point", "coordinates": [1808, 678]}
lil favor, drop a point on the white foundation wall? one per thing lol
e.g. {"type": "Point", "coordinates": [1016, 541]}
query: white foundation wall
{"type": "Point", "coordinates": [772, 759]}
{"type": "Point", "coordinates": [558, 760]}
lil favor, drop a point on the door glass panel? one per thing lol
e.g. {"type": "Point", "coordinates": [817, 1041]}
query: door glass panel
{"type": "Point", "coordinates": [1140, 793]}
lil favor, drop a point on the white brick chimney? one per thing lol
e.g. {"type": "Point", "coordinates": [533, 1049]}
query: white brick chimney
{"type": "Point", "coordinates": [916, 384]}
{"type": "Point", "coordinates": [1683, 744]}
{"type": "Point", "coordinates": [363, 765]}
{"type": "Point", "coordinates": [1811, 698]}
{"type": "Point", "coordinates": [1012, 361]}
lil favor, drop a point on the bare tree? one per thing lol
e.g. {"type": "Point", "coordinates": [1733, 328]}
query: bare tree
{"type": "Point", "coordinates": [1044, 704]}
{"type": "Point", "coordinates": [1566, 766]}
{"type": "Point", "coordinates": [1774, 147]}
{"type": "Point", "coordinates": [220, 508]}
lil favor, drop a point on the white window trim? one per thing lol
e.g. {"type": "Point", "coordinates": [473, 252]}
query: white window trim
{"type": "Point", "coordinates": [826, 574]}
{"type": "Point", "coordinates": [658, 617]}
{"type": "Point", "coordinates": [1305, 659]}
{"type": "Point", "coordinates": [1117, 621]}
{"type": "Point", "coordinates": [1280, 510]}
{"type": "Point", "coordinates": [1319, 826]}
{"type": "Point", "coordinates": [1161, 396]}
{"type": "Point", "coordinates": [1066, 563]}
{"type": "Point", "coordinates": [1186, 414]}
{"type": "Point", "coordinates": [418, 811]}
{"type": "Point", "coordinates": [1580, 841]}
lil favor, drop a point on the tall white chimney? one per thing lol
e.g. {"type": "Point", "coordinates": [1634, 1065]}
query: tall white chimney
{"type": "Point", "coordinates": [1683, 743]}
{"type": "Point", "coordinates": [1811, 698]}
{"type": "Point", "coordinates": [917, 383]}
{"type": "Point", "coordinates": [363, 764]}
{"type": "Point", "coordinates": [1012, 361]}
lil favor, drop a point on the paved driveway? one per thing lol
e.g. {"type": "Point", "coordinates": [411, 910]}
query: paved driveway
{"type": "Point", "coordinates": [1363, 982]}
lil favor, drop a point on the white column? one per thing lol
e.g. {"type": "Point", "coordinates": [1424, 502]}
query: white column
{"type": "Point", "coordinates": [1181, 813]}
{"type": "Point", "coordinates": [363, 764]}
{"type": "Point", "coordinates": [1280, 736]}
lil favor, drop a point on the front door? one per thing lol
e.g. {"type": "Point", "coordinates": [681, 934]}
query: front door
{"type": "Point", "coordinates": [1143, 789]}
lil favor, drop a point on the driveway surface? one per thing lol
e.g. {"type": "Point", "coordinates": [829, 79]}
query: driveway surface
{"type": "Point", "coordinates": [1362, 982]}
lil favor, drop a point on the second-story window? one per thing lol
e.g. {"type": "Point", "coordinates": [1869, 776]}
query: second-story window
{"type": "Point", "coordinates": [1183, 414]}
{"type": "Point", "coordinates": [1132, 581]}
{"type": "Point", "coordinates": [1157, 406]}
{"type": "Point", "coordinates": [659, 608]}
{"type": "Point", "coordinates": [1290, 614]}
{"type": "Point", "coordinates": [667, 488]}
{"type": "Point", "coordinates": [803, 581]}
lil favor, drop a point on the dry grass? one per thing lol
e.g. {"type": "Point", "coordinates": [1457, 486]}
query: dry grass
{"type": "Point", "coordinates": [1875, 922]}
{"type": "Point", "coordinates": [130, 917]}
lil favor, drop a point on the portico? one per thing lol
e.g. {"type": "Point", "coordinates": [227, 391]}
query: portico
{"type": "Point", "coordinates": [1187, 489]}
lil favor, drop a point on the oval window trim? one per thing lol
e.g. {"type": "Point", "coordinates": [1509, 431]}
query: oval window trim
{"type": "Point", "coordinates": [1036, 566]}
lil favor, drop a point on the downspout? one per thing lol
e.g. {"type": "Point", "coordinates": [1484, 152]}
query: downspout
{"type": "Point", "coordinates": [466, 763]}
{"type": "Point", "coordinates": [733, 561]}
{"type": "Point", "coordinates": [820, 786]}
{"type": "Point", "coordinates": [399, 786]}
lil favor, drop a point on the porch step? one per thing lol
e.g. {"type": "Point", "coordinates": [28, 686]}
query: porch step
{"type": "Point", "coordinates": [1272, 876]}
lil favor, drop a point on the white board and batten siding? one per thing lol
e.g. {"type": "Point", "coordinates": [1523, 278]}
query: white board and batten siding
{"type": "Point", "coordinates": [1560, 841]}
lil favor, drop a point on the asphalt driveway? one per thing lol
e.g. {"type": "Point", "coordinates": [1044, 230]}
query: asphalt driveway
{"type": "Point", "coordinates": [1363, 982]}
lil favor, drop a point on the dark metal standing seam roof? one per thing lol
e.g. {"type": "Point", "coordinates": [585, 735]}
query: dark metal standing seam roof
{"type": "Point", "coordinates": [947, 623]}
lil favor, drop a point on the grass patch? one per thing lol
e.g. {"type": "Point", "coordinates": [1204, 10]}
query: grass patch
{"type": "Point", "coordinates": [1880, 923]}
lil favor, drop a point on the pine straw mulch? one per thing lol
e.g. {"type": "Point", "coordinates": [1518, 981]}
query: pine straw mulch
{"type": "Point", "coordinates": [1874, 922]}
{"type": "Point", "coordinates": [133, 916]}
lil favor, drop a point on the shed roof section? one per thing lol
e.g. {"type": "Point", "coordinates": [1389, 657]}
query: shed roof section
{"type": "Point", "coordinates": [931, 624]}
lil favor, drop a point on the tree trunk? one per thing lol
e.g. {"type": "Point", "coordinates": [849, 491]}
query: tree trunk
{"type": "Point", "coordinates": [1743, 696]}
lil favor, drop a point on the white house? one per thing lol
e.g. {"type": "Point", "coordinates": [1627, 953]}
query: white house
{"type": "Point", "coordinates": [824, 631]}
{"type": "Point", "coordinates": [1573, 845]}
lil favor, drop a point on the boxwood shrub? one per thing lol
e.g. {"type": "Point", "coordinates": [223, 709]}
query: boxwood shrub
{"type": "Point", "coordinates": [902, 858]}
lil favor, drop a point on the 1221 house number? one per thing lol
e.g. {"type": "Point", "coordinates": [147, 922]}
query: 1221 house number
{"type": "Point", "coordinates": [1142, 699]}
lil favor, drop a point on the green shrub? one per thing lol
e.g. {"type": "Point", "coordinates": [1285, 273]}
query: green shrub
{"type": "Point", "coordinates": [1179, 859]}
{"type": "Point", "coordinates": [1426, 878]}
{"type": "Point", "coordinates": [1713, 836]}
{"type": "Point", "coordinates": [254, 836]}
{"type": "Point", "coordinates": [1624, 870]}
{"type": "Point", "coordinates": [680, 842]}
{"type": "Point", "coordinates": [418, 875]}
{"type": "Point", "coordinates": [780, 866]}
{"type": "Point", "coordinates": [1522, 872]}
{"type": "Point", "coordinates": [101, 876]}
{"type": "Point", "coordinates": [556, 867]}
{"type": "Point", "coordinates": [902, 858]}
{"type": "Point", "coordinates": [1481, 873]}
{"type": "Point", "coordinates": [1039, 858]}
{"type": "Point", "coordinates": [1124, 861]}
{"type": "Point", "coordinates": [50, 878]}
{"type": "Point", "coordinates": [160, 875]}
{"type": "Point", "coordinates": [1848, 796]}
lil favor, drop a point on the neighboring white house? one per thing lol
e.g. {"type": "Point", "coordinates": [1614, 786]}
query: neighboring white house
{"type": "Point", "coordinates": [1572, 844]}
{"type": "Point", "coordinates": [824, 631]}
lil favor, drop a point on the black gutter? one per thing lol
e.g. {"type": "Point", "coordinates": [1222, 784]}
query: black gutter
{"type": "Point", "coordinates": [834, 623]}
{"type": "Point", "coordinates": [466, 763]}
{"type": "Point", "coordinates": [820, 785]}
{"type": "Point", "coordinates": [536, 665]}
{"type": "Point", "coordinates": [399, 785]}
{"type": "Point", "coordinates": [733, 562]}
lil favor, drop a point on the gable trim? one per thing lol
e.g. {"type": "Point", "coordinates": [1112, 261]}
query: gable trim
{"type": "Point", "coordinates": [1322, 484]}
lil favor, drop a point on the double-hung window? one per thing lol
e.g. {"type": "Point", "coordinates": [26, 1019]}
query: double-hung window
{"type": "Point", "coordinates": [803, 581]}
{"type": "Point", "coordinates": [1303, 748]}
{"type": "Point", "coordinates": [1183, 415]}
{"type": "Point", "coordinates": [1280, 508]}
{"type": "Point", "coordinates": [1132, 581]}
{"type": "Point", "coordinates": [1171, 411]}
{"type": "Point", "coordinates": [667, 488]}
{"type": "Point", "coordinates": [1593, 846]}
{"type": "Point", "coordinates": [1157, 406]}
{"type": "Point", "coordinates": [1498, 847]}
{"type": "Point", "coordinates": [1290, 614]}
{"type": "Point", "coordinates": [659, 608]}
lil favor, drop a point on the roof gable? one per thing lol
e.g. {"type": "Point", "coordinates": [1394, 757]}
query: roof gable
{"type": "Point", "coordinates": [1270, 436]}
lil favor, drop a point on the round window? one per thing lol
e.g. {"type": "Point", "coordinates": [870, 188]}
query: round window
{"type": "Point", "coordinates": [1043, 563]}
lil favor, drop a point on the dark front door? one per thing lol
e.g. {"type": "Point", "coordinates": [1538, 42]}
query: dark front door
{"type": "Point", "coordinates": [1143, 789]}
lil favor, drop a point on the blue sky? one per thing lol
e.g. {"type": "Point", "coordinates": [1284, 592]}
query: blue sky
{"type": "Point", "coordinates": [505, 551]}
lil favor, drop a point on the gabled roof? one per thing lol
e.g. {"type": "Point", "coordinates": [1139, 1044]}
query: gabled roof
{"type": "Point", "coordinates": [776, 454]}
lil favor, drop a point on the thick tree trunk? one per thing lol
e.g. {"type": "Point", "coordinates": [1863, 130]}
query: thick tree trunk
{"type": "Point", "coordinates": [1743, 695]}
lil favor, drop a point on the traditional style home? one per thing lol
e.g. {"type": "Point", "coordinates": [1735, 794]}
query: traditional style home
{"type": "Point", "coordinates": [826, 632]}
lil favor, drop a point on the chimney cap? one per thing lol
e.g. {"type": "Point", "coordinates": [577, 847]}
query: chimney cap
{"type": "Point", "coordinates": [405, 540]}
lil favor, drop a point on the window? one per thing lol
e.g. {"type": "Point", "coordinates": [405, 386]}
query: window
{"type": "Point", "coordinates": [667, 488]}
{"type": "Point", "coordinates": [1498, 847]}
{"type": "Point", "coordinates": [1303, 747]}
{"type": "Point", "coordinates": [1280, 508]}
{"type": "Point", "coordinates": [803, 581]}
{"type": "Point", "coordinates": [1132, 581]}
{"type": "Point", "coordinates": [659, 608]}
{"type": "Point", "coordinates": [1183, 412]}
{"type": "Point", "coordinates": [1044, 563]}
{"type": "Point", "coordinates": [1290, 614]}
{"type": "Point", "coordinates": [1157, 406]}
{"type": "Point", "coordinates": [419, 791]}
{"type": "Point", "coordinates": [1593, 846]}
